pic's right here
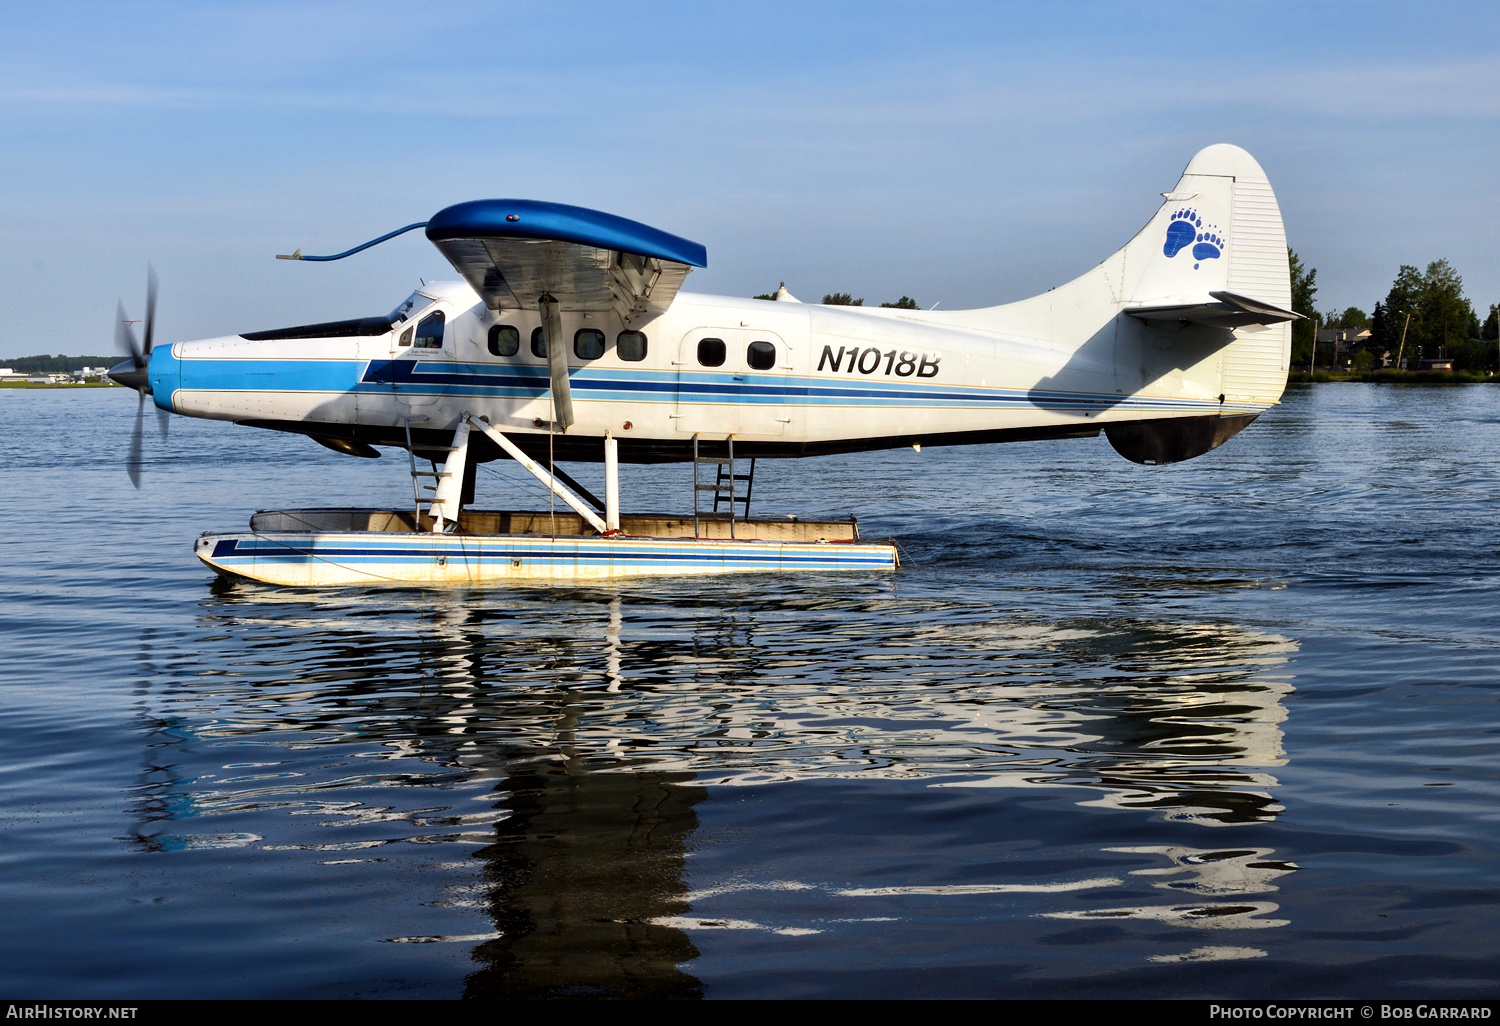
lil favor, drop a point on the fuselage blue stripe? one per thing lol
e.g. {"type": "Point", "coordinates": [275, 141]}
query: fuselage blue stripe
{"type": "Point", "coordinates": [418, 378]}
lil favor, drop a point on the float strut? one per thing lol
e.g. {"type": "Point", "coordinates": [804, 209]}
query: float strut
{"type": "Point", "coordinates": [611, 482]}
{"type": "Point", "coordinates": [448, 497]}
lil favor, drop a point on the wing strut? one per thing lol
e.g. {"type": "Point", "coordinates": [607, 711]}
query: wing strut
{"type": "Point", "coordinates": [557, 361]}
{"type": "Point", "coordinates": [540, 473]}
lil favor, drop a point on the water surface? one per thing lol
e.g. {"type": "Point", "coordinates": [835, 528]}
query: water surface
{"type": "Point", "coordinates": [1227, 728]}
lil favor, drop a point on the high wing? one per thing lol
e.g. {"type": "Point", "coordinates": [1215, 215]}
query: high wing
{"type": "Point", "coordinates": [522, 254]}
{"type": "Point", "coordinates": [515, 252]}
{"type": "Point", "coordinates": [555, 259]}
{"type": "Point", "coordinates": [1220, 310]}
{"type": "Point", "coordinates": [528, 255]}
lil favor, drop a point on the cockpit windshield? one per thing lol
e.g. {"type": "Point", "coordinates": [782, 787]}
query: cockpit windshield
{"type": "Point", "coordinates": [410, 307]}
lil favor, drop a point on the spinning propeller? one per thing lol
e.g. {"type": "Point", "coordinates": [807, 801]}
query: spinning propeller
{"type": "Point", "coordinates": [132, 372]}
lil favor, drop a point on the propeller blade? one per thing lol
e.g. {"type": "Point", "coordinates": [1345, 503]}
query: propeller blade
{"type": "Point", "coordinates": [150, 308]}
{"type": "Point", "coordinates": [125, 336]}
{"type": "Point", "coordinates": [133, 461]}
{"type": "Point", "coordinates": [134, 375]}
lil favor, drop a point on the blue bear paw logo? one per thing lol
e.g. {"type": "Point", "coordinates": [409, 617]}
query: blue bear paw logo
{"type": "Point", "coordinates": [1187, 229]}
{"type": "Point", "coordinates": [1209, 247]}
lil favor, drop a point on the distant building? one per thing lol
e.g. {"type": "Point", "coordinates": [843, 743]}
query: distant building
{"type": "Point", "coordinates": [1346, 342]}
{"type": "Point", "coordinates": [1343, 337]}
{"type": "Point", "coordinates": [1442, 366]}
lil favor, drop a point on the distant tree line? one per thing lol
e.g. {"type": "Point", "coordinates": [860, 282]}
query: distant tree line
{"type": "Point", "coordinates": [845, 299]}
{"type": "Point", "coordinates": [1424, 315]}
{"type": "Point", "coordinates": [58, 364]}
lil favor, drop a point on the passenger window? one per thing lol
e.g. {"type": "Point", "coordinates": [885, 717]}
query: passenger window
{"type": "Point", "coordinates": [761, 356]}
{"type": "Point", "coordinates": [406, 337]}
{"type": "Point", "coordinates": [711, 352]}
{"type": "Point", "coordinates": [538, 343]}
{"type": "Point", "coordinates": [504, 340]}
{"type": "Point", "coordinates": [430, 331]}
{"type": "Point", "coordinates": [588, 343]}
{"type": "Point", "coordinates": [631, 346]}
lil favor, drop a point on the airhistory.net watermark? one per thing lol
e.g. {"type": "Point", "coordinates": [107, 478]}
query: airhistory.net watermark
{"type": "Point", "coordinates": [43, 1010]}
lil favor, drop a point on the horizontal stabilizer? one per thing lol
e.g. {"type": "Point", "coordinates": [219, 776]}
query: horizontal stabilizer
{"type": "Point", "coordinates": [1220, 310]}
{"type": "Point", "coordinates": [514, 252]}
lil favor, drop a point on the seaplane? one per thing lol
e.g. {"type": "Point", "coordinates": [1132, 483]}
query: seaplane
{"type": "Point", "coordinates": [569, 338]}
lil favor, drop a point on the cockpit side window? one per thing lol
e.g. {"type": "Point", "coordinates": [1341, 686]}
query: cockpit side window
{"type": "Point", "coordinates": [430, 331]}
{"type": "Point", "coordinates": [411, 305]}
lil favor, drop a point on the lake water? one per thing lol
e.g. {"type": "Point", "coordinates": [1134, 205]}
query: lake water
{"type": "Point", "coordinates": [1227, 728]}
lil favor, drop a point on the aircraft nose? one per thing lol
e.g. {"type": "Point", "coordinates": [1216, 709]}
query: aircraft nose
{"type": "Point", "coordinates": [131, 375]}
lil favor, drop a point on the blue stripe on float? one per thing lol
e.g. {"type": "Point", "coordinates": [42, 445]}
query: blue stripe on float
{"type": "Point", "coordinates": [242, 551]}
{"type": "Point", "coordinates": [230, 564]}
{"type": "Point", "coordinates": [279, 553]}
{"type": "Point", "coordinates": [829, 564]}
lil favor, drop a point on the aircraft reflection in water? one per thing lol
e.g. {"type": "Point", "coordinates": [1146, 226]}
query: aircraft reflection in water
{"type": "Point", "coordinates": [581, 876]}
{"type": "Point", "coordinates": [594, 779]}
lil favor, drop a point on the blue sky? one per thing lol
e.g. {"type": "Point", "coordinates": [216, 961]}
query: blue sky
{"type": "Point", "coordinates": [967, 154]}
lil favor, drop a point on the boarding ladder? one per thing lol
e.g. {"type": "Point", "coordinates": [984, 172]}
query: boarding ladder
{"type": "Point", "coordinates": [430, 495]}
{"type": "Point", "coordinates": [725, 486]}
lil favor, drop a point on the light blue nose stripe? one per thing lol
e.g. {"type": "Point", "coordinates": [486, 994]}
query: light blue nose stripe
{"type": "Point", "coordinates": [164, 373]}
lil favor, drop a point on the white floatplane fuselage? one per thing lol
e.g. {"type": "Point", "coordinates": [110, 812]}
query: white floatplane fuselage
{"type": "Point", "coordinates": [787, 378]}
{"type": "Point", "coordinates": [1170, 346]}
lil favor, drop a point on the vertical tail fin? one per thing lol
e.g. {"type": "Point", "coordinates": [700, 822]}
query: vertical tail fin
{"type": "Point", "coordinates": [1219, 229]}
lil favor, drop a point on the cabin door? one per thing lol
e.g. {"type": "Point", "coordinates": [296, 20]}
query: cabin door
{"type": "Point", "coordinates": [733, 381]}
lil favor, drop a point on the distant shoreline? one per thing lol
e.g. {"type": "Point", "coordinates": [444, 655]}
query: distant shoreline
{"type": "Point", "coordinates": [1393, 377]}
{"type": "Point", "coordinates": [66, 384]}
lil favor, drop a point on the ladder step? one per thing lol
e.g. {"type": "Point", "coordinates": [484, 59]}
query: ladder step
{"type": "Point", "coordinates": [732, 485]}
{"type": "Point", "coordinates": [430, 473]}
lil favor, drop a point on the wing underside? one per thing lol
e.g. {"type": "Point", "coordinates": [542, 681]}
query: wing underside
{"type": "Point", "coordinates": [557, 259]}
{"type": "Point", "coordinates": [516, 252]}
{"type": "Point", "coordinates": [516, 273]}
